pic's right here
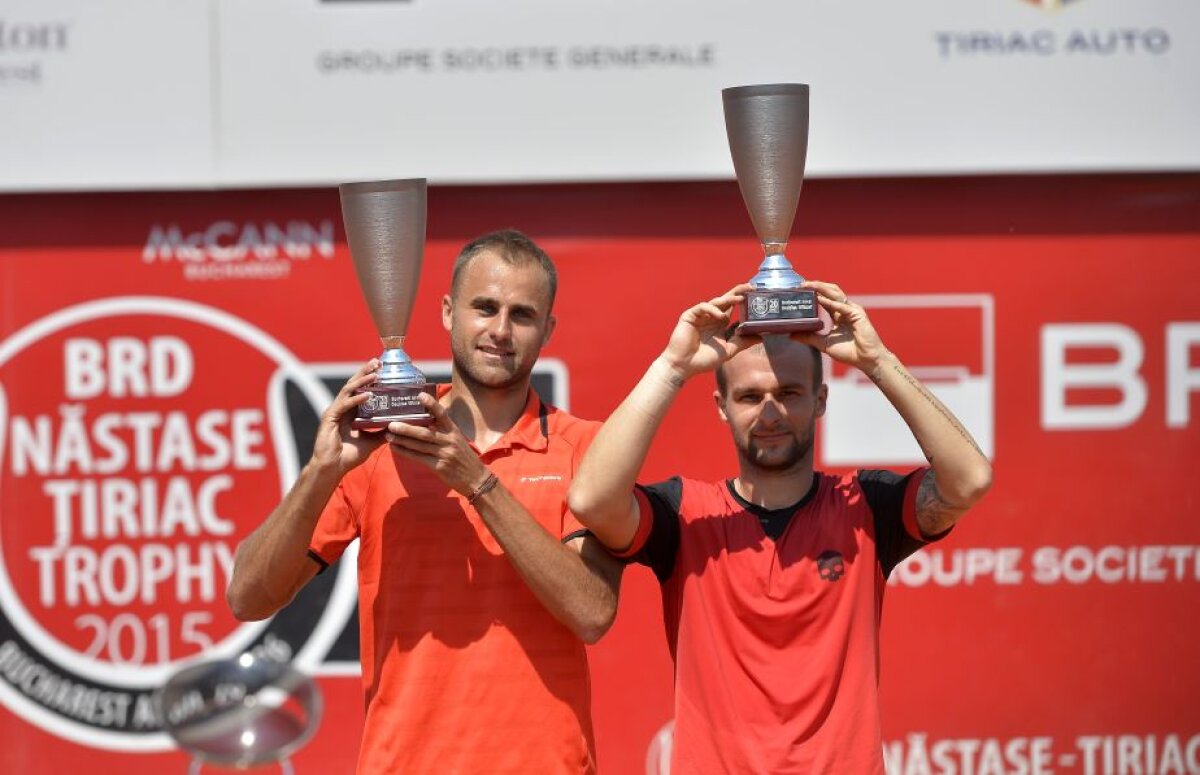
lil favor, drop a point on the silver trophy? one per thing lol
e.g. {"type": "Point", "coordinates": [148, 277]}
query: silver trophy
{"type": "Point", "coordinates": [245, 712]}
{"type": "Point", "coordinates": [385, 228]}
{"type": "Point", "coordinates": [767, 126]}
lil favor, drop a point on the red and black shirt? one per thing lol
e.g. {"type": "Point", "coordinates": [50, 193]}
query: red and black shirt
{"type": "Point", "coordinates": [773, 618]}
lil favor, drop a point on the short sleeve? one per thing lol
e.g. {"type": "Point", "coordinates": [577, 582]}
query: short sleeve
{"type": "Point", "coordinates": [656, 542]}
{"type": "Point", "coordinates": [337, 525]}
{"type": "Point", "coordinates": [892, 499]}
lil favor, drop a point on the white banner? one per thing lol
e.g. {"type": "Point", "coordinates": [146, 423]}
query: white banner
{"type": "Point", "coordinates": [476, 91]}
{"type": "Point", "coordinates": [105, 94]}
{"type": "Point", "coordinates": [468, 91]}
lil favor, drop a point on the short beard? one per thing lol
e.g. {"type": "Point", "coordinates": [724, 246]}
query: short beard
{"type": "Point", "coordinates": [463, 368]}
{"type": "Point", "coordinates": [752, 455]}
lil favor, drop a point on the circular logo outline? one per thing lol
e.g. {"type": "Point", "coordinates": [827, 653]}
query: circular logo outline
{"type": "Point", "coordinates": [344, 595]}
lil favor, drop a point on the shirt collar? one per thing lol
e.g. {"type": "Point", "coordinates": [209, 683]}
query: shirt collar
{"type": "Point", "coordinates": [531, 430]}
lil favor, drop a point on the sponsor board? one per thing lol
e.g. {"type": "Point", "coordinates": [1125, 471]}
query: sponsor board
{"type": "Point", "coordinates": [862, 428]}
{"type": "Point", "coordinates": [105, 93]}
{"type": "Point", "coordinates": [1046, 565]}
{"type": "Point", "coordinates": [228, 93]}
{"type": "Point", "coordinates": [569, 84]}
{"type": "Point", "coordinates": [150, 420]}
{"type": "Point", "coordinates": [140, 467]}
{"type": "Point", "coordinates": [129, 470]}
{"type": "Point", "coordinates": [226, 250]}
{"type": "Point", "coordinates": [1093, 754]}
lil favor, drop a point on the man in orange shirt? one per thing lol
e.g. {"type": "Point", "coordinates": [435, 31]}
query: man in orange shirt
{"type": "Point", "coordinates": [477, 587]}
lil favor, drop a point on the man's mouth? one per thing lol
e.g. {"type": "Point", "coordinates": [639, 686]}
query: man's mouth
{"type": "Point", "coordinates": [498, 352]}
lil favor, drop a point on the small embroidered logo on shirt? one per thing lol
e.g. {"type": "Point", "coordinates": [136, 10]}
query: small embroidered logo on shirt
{"type": "Point", "coordinates": [542, 478]}
{"type": "Point", "coordinates": [830, 565]}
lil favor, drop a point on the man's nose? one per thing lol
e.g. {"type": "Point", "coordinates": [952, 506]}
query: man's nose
{"type": "Point", "coordinates": [772, 411]}
{"type": "Point", "coordinates": [501, 328]}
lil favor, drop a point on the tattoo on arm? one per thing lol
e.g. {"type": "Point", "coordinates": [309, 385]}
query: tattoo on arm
{"type": "Point", "coordinates": [938, 405]}
{"type": "Point", "coordinates": [934, 513]}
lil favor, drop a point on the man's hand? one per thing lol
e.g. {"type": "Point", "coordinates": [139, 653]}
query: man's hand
{"type": "Point", "coordinates": [440, 446]}
{"type": "Point", "coordinates": [851, 339]}
{"type": "Point", "coordinates": [698, 343]}
{"type": "Point", "coordinates": [337, 443]}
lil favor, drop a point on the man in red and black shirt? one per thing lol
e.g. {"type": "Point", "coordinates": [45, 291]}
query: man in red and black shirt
{"type": "Point", "coordinates": [773, 581]}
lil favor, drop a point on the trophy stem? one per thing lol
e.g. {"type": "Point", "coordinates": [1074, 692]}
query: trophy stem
{"type": "Point", "coordinates": [396, 368]}
{"type": "Point", "coordinates": [776, 272]}
{"type": "Point", "coordinates": [394, 394]}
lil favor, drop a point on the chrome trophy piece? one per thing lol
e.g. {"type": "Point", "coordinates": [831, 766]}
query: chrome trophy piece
{"type": "Point", "coordinates": [385, 227]}
{"type": "Point", "coordinates": [767, 126]}
{"type": "Point", "coordinates": [245, 712]}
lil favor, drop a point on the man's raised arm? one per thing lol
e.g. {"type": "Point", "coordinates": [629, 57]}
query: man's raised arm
{"type": "Point", "coordinates": [961, 474]}
{"type": "Point", "coordinates": [601, 496]}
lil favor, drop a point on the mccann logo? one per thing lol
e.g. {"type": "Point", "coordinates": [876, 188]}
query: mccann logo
{"type": "Point", "coordinates": [231, 250]}
{"type": "Point", "coordinates": [131, 465]}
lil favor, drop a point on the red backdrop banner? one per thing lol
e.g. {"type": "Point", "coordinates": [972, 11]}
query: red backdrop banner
{"type": "Point", "coordinates": [163, 357]}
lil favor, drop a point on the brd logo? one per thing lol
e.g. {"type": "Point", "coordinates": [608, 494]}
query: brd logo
{"type": "Point", "coordinates": [141, 438]}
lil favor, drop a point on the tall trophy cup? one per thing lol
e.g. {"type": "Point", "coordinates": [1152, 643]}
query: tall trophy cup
{"type": "Point", "coordinates": [768, 137]}
{"type": "Point", "coordinates": [385, 227]}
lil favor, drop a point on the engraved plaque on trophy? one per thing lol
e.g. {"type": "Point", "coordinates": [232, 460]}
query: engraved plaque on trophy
{"type": "Point", "coordinates": [767, 126]}
{"type": "Point", "coordinates": [385, 228]}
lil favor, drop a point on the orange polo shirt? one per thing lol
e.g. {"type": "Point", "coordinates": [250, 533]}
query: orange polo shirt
{"type": "Point", "coordinates": [464, 670]}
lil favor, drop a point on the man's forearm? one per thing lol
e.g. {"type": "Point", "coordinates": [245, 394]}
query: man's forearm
{"type": "Point", "coordinates": [600, 492]}
{"type": "Point", "coordinates": [273, 563]}
{"type": "Point", "coordinates": [579, 592]}
{"type": "Point", "coordinates": [963, 472]}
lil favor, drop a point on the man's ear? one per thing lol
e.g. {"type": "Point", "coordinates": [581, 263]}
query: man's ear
{"type": "Point", "coordinates": [822, 397]}
{"type": "Point", "coordinates": [551, 322]}
{"type": "Point", "coordinates": [447, 309]}
{"type": "Point", "coordinates": [719, 400]}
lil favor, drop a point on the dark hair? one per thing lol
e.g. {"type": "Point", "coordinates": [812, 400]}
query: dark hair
{"type": "Point", "coordinates": [513, 246]}
{"type": "Point", "coordinates": [818, 366]}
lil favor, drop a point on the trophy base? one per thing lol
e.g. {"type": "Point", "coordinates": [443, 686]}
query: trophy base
{"type": "Point", "coordinates": [381, 423]}
{"type": "Point", "coordinates": [759, 327]}
{"type": "Point", "coordinates": [393, 403]}
{"type": "Point", "coordinates": [780, 312]}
